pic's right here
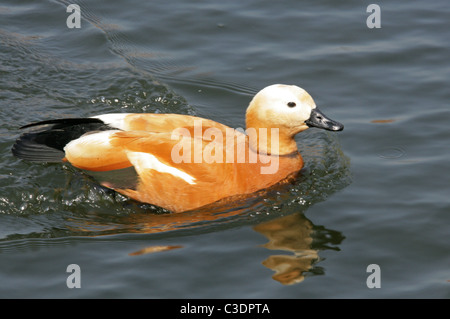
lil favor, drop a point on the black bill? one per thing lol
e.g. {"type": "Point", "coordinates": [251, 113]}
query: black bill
{"type": "Point", "coordinates": [319, 120]}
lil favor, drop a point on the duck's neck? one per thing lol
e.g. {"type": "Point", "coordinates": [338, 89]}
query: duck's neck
{"type": "Point", "coordinates": [271, 141]}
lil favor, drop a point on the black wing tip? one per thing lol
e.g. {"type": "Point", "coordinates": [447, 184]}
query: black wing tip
{"type": "Point", "coordinates": [24, 150]}
{"type": "Point", "coordinates": [47, 144]}
{"type": "Point", "coordinates": [66, 121]}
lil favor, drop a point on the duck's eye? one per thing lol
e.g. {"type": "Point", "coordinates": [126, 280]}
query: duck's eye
{"type": "Point", "coordinates": [291, 104]}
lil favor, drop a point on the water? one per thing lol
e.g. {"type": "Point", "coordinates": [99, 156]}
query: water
{"type": "Point", "coordinates": [376, 193]}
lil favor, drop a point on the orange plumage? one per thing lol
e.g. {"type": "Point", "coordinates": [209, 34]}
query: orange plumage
{"type": "Point", "coordinates": [182, 162]}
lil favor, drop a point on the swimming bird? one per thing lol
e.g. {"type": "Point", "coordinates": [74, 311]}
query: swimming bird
{"type": "Point", "coordinates": [182, 162]}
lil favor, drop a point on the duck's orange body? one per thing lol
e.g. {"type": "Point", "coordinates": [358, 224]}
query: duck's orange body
{"type": "Point", "coordinates": [182, 162]}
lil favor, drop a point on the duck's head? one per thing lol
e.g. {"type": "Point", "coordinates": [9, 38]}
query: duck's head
{"type": "Point", "coordinates": [290, 109]}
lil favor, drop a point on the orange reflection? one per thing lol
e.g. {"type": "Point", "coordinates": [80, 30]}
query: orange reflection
{"type": "Point", "coordinates": [291, 233]}
{"type": "Point", "coordinates": [383, 121]}
{"type": "Point", "coordinates": [154, 249]}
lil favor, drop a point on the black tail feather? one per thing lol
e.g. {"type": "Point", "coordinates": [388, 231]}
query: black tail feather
{"type": "Point", "coordinates": [66, 122]}
{"type": "Point", "coordinates": [33, 147]}
{"type": "Point", "coordinates": [47, 143]}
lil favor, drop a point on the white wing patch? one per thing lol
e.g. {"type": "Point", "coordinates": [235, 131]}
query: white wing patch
{"type": "Point", "coordinates": [142, 161]}
{"type": "Point", "coordinates": [115, 120]}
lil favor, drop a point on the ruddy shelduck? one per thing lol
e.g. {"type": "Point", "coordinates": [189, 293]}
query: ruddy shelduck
{"type": "Point", "coordinates": [181, 162]}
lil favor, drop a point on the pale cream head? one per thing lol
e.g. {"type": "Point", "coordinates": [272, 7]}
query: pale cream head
{"type": "Point", "coordinates": [290, 110]}
{"type": "Point", "coordinates": [284, 106]}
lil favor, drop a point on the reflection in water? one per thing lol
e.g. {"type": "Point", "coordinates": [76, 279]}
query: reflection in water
{"type": "Point", "coordinates": [293, 233]}
{"type": "Point", "coordinates": [154, 249]}
{"type": "Point", "coordinates": [296, 234]}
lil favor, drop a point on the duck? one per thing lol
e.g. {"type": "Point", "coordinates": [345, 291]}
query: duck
{"type": "Point", "coordinates": [182, 162]}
